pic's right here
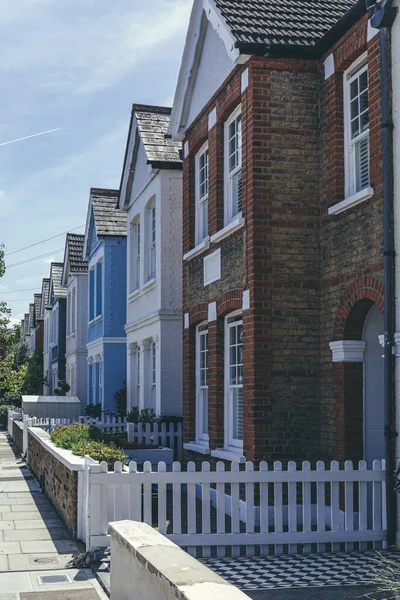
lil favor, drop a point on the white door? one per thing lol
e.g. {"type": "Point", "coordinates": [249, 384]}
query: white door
{"type": "Point", "coordinates": [374, 410]}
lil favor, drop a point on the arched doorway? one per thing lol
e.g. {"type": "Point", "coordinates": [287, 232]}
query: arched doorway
{"type": "Point", "coordinates": [374, 410]}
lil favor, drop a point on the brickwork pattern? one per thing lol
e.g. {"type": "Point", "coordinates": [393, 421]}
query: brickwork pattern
{"type": "Point", "coordinates": [306, 271]}
{"type": "Point", "coordinates": [18, 437]}
{"type": "Point", "coordinates": [59, 483]}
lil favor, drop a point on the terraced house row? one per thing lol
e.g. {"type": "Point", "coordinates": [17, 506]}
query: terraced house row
{"type": "Point", "coordinates": [237, 277]}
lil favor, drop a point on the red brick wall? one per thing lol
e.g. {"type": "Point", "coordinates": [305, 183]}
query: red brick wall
{"type": "Point", "coordinates": [59, 483]}
{"type": "Point", "coordinates": [298, 263]}
{"type": "Point", "coordinates": [351, 252]}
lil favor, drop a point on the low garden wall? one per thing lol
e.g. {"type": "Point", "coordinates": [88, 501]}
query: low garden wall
{"type": "Point", "coordinates": [58, 473]}
{"type": "Point", "coordinates": [145, 561]}
{"type": "Point", "coordinates": [18, 435]}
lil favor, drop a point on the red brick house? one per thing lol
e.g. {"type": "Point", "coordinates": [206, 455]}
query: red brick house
{"type": "Point", "coordinates": [278, 109]}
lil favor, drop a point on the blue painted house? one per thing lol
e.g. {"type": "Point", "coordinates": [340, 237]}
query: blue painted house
{"type": "Point", "coordinates": [105, 251]}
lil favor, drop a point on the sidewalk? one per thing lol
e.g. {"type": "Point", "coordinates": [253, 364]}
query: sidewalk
{"type": "Point", "coordinates": [35, 546]}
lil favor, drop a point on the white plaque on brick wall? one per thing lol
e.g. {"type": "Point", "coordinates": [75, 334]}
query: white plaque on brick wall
{"type": "Point", "coordinates": [212, 267]}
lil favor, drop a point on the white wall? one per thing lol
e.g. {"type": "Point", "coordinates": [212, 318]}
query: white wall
{"type": "Point", "coordinates": [215, 66]}
{"type": "Point", "coordinates": [396, 158]}
{"type": "Point", "coordinates": [156, 308]}
{"type": "Point", "coordinates": [142, 172]}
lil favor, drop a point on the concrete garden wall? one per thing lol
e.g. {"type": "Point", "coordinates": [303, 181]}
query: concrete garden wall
{"type": "Point", "coordinates": [145, 561]}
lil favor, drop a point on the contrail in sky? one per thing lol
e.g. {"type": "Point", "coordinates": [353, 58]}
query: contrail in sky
{"type": "Point", "coordinates": [29, 136]}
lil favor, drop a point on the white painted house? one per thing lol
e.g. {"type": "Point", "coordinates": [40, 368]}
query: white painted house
{"type": "Point", "coordinates": [75, 279]}
{"type": "Point", "coordinates": [151, 193]}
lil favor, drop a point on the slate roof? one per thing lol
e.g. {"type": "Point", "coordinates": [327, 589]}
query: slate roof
{"type": "Point", "coordinates": [75, 243]}
{"type": "Point", "coordinates": [153, 123]}
{"type": "Point", "coordinates": [282, 22]}
{"type": "Point", "coordinates": [31, 316]}
{"type": "Point", "coordinates": [37, 303]}
{"type": "Point", "coordinates": [56, 270]}
{"type": "Point", "coordinates": [109, 219]}
{"type": "Point", "coordinates": [45, 293]}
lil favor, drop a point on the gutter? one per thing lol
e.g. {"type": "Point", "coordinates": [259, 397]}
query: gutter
{"type": "Point", "coordinates": [383, 20]}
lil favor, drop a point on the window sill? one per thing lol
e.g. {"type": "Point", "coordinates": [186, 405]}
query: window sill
{"type": "Point", "coordinates": [232, 454]}
{"type": "Point", "coordinates": [70, 336]}
{"type": "Point", "coordinates": [351, 201]}
{"type": "Point", "coordinates": [96, 320]}
{"type": "Point", "coordinates": [233, 226]}
{"type": "Point", "coordinates": [133, 295]}
{"type": "Point", "coordinates": [149, 284]}
{"type": "Point", "coordinates": [198, 249]}
{"type": "Point", "coordinates": [197, 447]}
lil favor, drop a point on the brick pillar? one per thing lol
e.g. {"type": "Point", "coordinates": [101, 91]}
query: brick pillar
{"type": "Point", "coordinates": [216, 383]}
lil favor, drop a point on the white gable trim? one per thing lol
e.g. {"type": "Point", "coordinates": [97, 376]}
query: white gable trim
{"type": "Point", "coordinates": [203, 12]}
{"type": "Point", "coordinates": [130, 164]}
{"type": "Point", "coordinates": [89, 219]}
{"type": "Point", "coordinates": [66, 265]}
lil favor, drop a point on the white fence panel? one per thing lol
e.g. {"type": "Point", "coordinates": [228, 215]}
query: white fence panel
{"type": "Point", "coordinates": [154, 434]}
{"type": "Point", "coordinates": [251, 511]}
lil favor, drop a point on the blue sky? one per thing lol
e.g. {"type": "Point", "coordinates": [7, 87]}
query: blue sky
{"type": "Point", "coordinates": [79, 66]}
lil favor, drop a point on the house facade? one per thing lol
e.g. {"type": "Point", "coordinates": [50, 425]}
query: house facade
{"type": "Point", "coordinates": [75, 280]}
{"type": "Point", "coordinates": [57, 300]}
{"type": "Point", "coordinates": [282, 233]}
{"type": "Point", "coordinates": [45, 315]}
{"type": "Point", "coordinates": [151, 193]}
{"type": "Point", "coordinates": [105, 251]}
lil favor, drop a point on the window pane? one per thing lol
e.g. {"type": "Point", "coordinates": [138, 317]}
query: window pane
{"type": "Point", "coordinates": [354, 108]}
{"type": "Point", "coordinates": [354, 89]}
{"type": "Point", "coordinates": [363, 81]}
{"type": "Point", "coordinates": [355, 128]}
{"type": "Point", "coordinates": [237, 414]}
{"type": "Point", "coordinates": [204, 411]}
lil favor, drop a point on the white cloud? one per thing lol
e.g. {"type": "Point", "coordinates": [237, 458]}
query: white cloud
{"type": "Point", "coordinates": [96, 49]}
{"type": "Point", "coordinates": [1, 193]}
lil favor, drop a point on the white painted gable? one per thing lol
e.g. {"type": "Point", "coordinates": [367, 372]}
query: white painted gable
{"type": "Point", "coordinates": [141, 173]}
{"type": "Point", "coordinates": [214, 67]}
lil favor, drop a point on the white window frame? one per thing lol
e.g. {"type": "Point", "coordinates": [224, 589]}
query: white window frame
{"type": "Point", "coordinates": [69, 307]}
{"type": "Point", "coordinates": [136, 255]}
{"type": "Point", "coordinates": [201, 227]}
{"type": "Point", "coordinates": [99, 313]}
{"type": "Point", "coordinates": [231, 443]}
{"type": "Point", "coordinates": [230, 212]}
{"type": "Point", "coordinates": [356, 69]}
{"type": "Point", "coordinates": [201, 436]}
{"type": "Point", "coordinates": [151, 240]}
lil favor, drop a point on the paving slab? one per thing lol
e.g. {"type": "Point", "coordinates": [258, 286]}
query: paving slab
{"type": "Point", "coordinates": [6, 525]}
{"type": "Point", "coordinates": [24, 535]}
{"type": "Point", "coordinates": [10, 583]}
{"type": "Point", "coordinates": [30, 515]}
{"type": "Point", "coordinates": [39, 506]}
{"type": "Point", "coordinates": [48, 547]}
{"type": "Point", "coordinates": [35, 562]}
{"type": "Point", "coordinates": [61, 595]}
{"type": "Point", "coordinates": [39, 524]}
{"type": "Point", "coordinates": [10, 548]}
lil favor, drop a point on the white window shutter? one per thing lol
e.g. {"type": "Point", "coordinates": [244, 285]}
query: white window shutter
{"type": "Point", "coordinates": [362, 164]}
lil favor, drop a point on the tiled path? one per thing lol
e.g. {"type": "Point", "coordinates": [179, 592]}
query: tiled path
{"type": "Point", "coordinates": [35, 547]}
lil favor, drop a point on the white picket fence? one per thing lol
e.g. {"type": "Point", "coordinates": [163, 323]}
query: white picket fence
{"type": "Point", "coordinates": [45, 423]}
{"type": "Point", "coordinates": [107, 424]}
{"type": "Point", "coordinates": [253, 511]}
{"type": "Point", "coordinates": [154, 434]}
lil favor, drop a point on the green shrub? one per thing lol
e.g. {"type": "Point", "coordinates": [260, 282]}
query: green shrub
{"type": "Point", "coordinates": [66, 436]}
{"type": "Point", "coordinates": [100, 452]}
{"type": "Point", "coordinates": [93, 411]}
{"type": "Point", "coordinates": [3, 413]}
{"type": "Point", "coordinates": [146, 415]}
{"type": "Point", "coordinates": [12, 399]}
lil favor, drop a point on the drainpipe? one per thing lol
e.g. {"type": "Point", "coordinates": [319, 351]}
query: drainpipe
{"type": "Point", "coordinates": [383, 18]}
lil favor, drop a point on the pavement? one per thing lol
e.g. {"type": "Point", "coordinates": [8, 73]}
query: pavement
{"type": "Point", "coordinates": [35, 546]}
